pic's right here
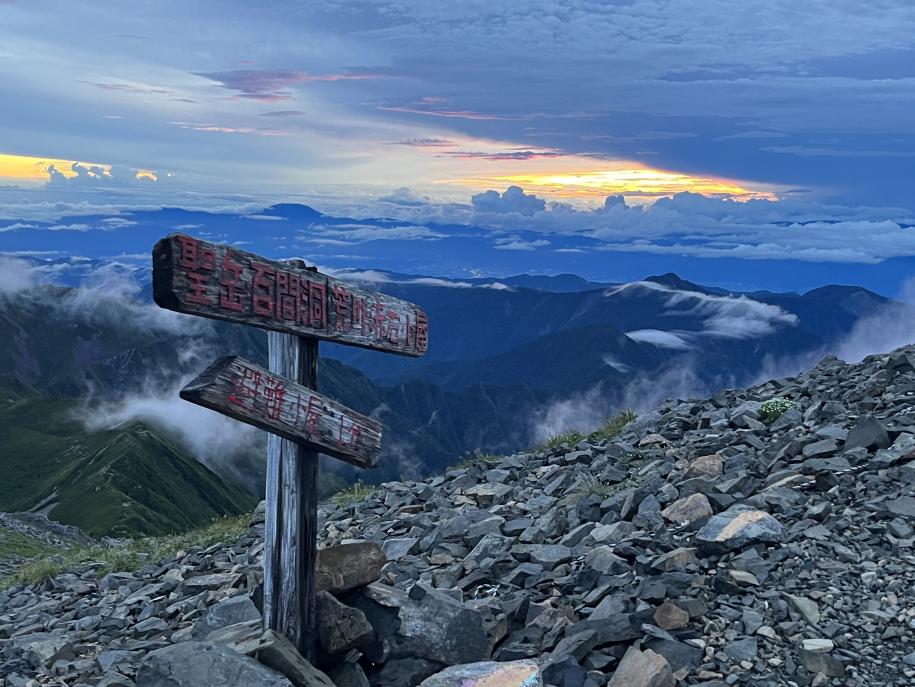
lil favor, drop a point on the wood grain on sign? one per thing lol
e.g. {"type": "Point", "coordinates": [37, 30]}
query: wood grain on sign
{"type": "Point", "coordinates": [245, 391]}
{"type": "Point", "coordinates": [291, 527]}
{"type": "Point", "coordinates": [217, 281]}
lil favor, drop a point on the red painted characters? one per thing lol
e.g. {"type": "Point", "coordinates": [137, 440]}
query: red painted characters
{"type": "Point", "coordinates": [218, 281]}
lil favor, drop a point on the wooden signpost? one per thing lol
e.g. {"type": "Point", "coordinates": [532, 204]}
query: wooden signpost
{"type": "Point", "coordinates": [299, 306]}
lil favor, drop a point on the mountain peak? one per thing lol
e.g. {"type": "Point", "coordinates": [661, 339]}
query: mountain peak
{"type": "Point", "coordinates": [293, 211]}
{"type": "Point", "coordinates": [675, 281]}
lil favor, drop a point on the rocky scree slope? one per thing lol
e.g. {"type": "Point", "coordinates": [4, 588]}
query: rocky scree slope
{"type": "Point", "coordinates": [700, 546]}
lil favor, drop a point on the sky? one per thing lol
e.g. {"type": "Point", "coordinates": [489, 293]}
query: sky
{"type": "Point", "coordinates": [753, 144]}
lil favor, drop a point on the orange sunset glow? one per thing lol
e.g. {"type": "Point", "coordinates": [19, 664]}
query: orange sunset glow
{"type": "Point", "coordinates": [626, 181]}
{"type": "Point", "coordinates": [28, 168]}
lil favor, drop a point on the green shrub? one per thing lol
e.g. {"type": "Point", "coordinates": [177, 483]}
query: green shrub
{"type": "Point", "coordinates": [478, 458]}
{"type": "Point", "coordinates": [774, 408]}
{"type": "Point", "coordinates": [356, 493]}
{"type": "Point", "coordinates": [613, 426]}
{"type": "Point", "coordinates": [591, 485]}
{"type": "Point", "coordinates": [132, 555]}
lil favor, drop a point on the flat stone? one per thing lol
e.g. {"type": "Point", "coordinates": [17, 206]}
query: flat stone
{"type": "Point", "coordinates": [808, 608]}
{"type": "Point", "coordinates": [200, 664]}
{"type": "Point", "coordinates": [276, 651]}
{"type": "Point", "coordinates": [669, 616]}
{"type": "Point", "coordinates": [867, 433]}
{"type": "Point", "coordinates": [346, 567]}
{"type": "Point", "coordinates": [488, 674]}
{"type": "Point", "coordinates": [904, 507]}
{"type": "Point", "coordinates": [818, 449]}
{"type": "Point", "coordinates": [602, 560]}
{"type": "Point", "coordinates": [679, 558]}
{"type": "Point", "coordinates": [349, 674]}
{"type": "Point", "coordinates": [817, 646]}
{"type": "Point", "coordinates": [395, 549]}
{"type": "Point", "coordinates": [742, 649]}
{"type": "Point", "coordinates": [705, 466]}
{"type": "Point", "coordinates": [236, 609]}
{"type": "Point", "coordinates": [549, 555]}
{"type": "Point", "coordinates": [688, 510]}
{"type": "Point", "coordinates": [642, 669]}
{"type": "Point", "coordinates": [821, 663]}
{"type": "Point", "coordinates": [340, 627]}
{"type": "Point", "coordinates": [426, 624]}
{"type": "Point", "coordinates": [738, 527]}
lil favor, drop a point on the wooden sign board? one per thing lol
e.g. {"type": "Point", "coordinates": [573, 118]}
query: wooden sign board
{"type": "Point", "coordinates": [299, 306]}
{"type": "Point", "coordinates": [245, 391]}
{"type": "Point", "coordinates": [220, 282]}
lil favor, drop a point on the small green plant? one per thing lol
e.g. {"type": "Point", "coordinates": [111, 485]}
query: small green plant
{"type": "Point", "coordinates": [356, 493]}
{"type": "Point", "coordinates": [774, 408]}
{"type": "Point", "coordinates": [613, 426]}
{"type": "Point", "coordinates": [591, 485]}
{"type": "Point", "coordinates": [478, 458]}
{"type": "Point", "coordinates": [132, 555]}
{"type": "Point", "coordinates": [570, 437]}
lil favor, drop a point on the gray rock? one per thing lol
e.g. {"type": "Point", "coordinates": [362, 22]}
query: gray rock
{"type": "Point", "coordinates": [395, 549]}
{"type": "Point", "coordinates": [817, 662]}
{"type": "Point", "coordinates": [277, 652]}
{"type": "Point", "coordinates": [427, 624]}
{"type": "Point", "coordinates": [642, 669]}
{"type": "Point", "coordinates": [199, 664]}
{"type": "Point", "coordinates": [867, 433]}
{"type": "Point", "coordinates": [349, 674]}
{"type": "Point", "coordinates": [236, 609]}
{"type": "Point", "coordinates": [738, 527]}
{"type": "Point", "coordinates": [508, 674]}
{"type": "Point", "coordinates": [688, 510]}
{"type": "Point", "coordinates": [341, 627]}
{"type": "Point", "coordinates": [345, 567]}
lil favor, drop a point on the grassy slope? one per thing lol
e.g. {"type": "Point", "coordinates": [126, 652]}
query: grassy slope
{"type": "Point", "coordinates": [118, 482]}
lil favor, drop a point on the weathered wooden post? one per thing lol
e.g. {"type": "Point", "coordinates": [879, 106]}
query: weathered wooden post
{"type": "Point", "coordinates": [299, 306]}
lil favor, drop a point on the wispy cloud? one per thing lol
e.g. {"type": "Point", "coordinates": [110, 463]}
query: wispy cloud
{"type": "Point", "coordinates": [266, 85]}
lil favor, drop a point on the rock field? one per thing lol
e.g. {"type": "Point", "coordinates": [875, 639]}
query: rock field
{"type": "Point", "coordinates": [701, 546]}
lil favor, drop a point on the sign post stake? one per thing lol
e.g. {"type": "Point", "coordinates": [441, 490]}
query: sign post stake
{"type": "Point", "coordinates": [298, 306]}
{"type": "Point", "coordinates": [291, 528]}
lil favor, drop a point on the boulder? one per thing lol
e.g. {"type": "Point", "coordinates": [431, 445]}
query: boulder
{"type": "Point", "coordinates": [642, 669]}
{"type": "Point", "coordinates": [276, 651]}
{"type": "Point", "coordinates": [867, 433]}
{"type": "Point", "coordinates": [231, 611]}
{"type": "Point", "coordinates": [199, 664]}
{"type": "Point", "coordinates": [738, 527]}
{"type": "Point", "coordinates": [345, 567]}
{"type": "Point", "coordinates": [427, 624]}
{"type": "Point", "coordinates": [688, 510]}
{"type": "Point", "coordinates": [486, 674]}
{"type": "Point", "coordinates": [340, 627]}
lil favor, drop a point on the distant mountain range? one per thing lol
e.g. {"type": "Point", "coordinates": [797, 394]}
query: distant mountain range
{"type": "Point", "coordinates": [90, 418]}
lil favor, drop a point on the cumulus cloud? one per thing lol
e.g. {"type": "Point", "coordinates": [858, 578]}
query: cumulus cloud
{"type": "Point", "coordinates": [98, 176]}
{"type": "Point", "coordinates": [686, 224]}
{"type": "Point", "coordinates": [511, 201]}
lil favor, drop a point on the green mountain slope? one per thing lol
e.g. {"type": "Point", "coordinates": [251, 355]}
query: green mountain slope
{"type": "Point", "coordinates": [117, 482]}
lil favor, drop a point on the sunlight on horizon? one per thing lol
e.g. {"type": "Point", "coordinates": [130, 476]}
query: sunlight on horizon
{"type": "Point", "coordinates": [637, 184]}
{"type": "Point", "coordinates": [29, 168]}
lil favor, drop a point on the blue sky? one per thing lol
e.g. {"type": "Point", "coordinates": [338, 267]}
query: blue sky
{"type": "Point", "coordinates": [785, 128]}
